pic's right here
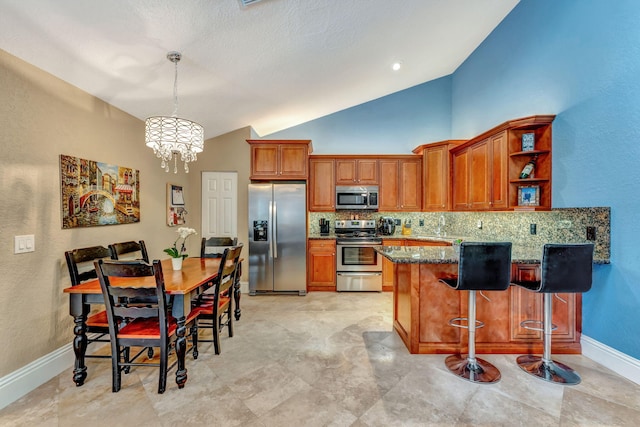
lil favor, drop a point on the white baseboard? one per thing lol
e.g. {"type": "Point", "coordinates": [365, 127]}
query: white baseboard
{"type": "Point", "coordinates": [31, 376]}
{"type": "Point", "coordinates": [244, 289]}
{"type": "Point", "coordinates": [613, 359]}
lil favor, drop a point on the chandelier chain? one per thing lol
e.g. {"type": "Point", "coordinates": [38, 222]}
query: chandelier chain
{"type": "Point", "coordinates": [175, 89]}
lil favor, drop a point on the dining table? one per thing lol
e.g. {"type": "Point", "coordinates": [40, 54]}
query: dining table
{"type": "Point", "coordinates": [182, 286]}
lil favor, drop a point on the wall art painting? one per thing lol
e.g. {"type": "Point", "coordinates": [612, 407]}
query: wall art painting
{"type": "Point", "coordinates": [95, 193]}
{"type": "Point", "coordinates": [177, 214]}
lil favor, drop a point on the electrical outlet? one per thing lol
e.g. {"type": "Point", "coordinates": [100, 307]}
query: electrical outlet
{"type": "Point", "coordinates": [398, 222]}
{"type": "Point", "coordinates": [533, 229]}
{"type": "Point", "coordinates": [591, 233]}
{"type": "Point", "coordinates": [479, 224]}
{"type": "Point", "coordinates": [421, 223]}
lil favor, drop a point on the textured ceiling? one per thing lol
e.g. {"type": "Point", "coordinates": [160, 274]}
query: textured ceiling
{"type": "Point", "coordinates": [271, 65]}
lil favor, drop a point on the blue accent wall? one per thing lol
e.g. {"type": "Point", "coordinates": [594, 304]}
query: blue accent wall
{"type": "Point", "coordinates": [579, 60]}
{"type": "Point", "coordinates": [394, 124]}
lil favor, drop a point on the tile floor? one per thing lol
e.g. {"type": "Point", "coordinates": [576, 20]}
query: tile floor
{"type": "Point", "coordinates": [326, 359]}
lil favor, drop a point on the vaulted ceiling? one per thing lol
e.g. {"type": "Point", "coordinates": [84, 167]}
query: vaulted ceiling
{"type": "Point", "coordinates": [272, 64]}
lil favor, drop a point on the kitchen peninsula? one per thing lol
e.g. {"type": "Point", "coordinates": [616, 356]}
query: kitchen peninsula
{"type": "Point", "coordinates": [422, 306]}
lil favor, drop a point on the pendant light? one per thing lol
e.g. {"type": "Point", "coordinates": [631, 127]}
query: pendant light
{"type": "Point", "coordinates": [171, 136]}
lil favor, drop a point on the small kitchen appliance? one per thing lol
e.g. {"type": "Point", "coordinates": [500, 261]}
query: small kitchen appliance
{"type": "Point", "coordinates": [387, 226]}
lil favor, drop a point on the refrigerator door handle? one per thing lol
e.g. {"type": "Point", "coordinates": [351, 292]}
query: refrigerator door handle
{"type": "Point", "coordinates": [274, 235]}
{"type": "Point", "coordinates": [270, 228]}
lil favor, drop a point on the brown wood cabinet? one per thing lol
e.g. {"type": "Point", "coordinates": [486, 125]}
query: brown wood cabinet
{"type": "Point", "coordinates": [436, 183]}
{"type": "Point", "coordinates": [540, 127]}
{"type": "Point", "coordinates": [387, 266]}
{"type": "Point", "coordinates": [486, 169]}
{"type": "Point", "coordinates": [279, 159]}
{"type": "Point", "coordinates": [400, 184]}
{"type": "Point", "coordinates": [322, 188]}
{"type": "Point", "coordinates": [423, 307]}
{"type": "Point", "coordinates": [356, 171]}
{"type": "Point", "coordinates": [321, 265]}
{"type": "Point", "coordinates": [479, 175]}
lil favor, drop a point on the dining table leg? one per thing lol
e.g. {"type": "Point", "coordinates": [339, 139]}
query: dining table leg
{"type": "Point", "coordinates": [181, 350]}
{"type": "Point", "coordinates": [236, 292]}
{"type": "Point", "coordinates": [79, 311]}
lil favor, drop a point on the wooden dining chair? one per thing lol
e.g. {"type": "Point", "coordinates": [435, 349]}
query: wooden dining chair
{"type": "Point", "coordinates": [145, 325]}
{"type": "Point", "coordinates": [214, 311]}
{"type": "Point", "coordinates": [81, 259]}
{"type": "Point", "coordinates": [213, 247]}
{"type": "Point", "coordinates": [126, 248]}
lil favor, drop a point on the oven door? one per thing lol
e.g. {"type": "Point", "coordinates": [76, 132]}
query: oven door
{"type": "Point", "coordinates": [360, 257]}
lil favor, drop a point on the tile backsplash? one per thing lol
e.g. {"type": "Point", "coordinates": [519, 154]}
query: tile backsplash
{"type": "Point", "coordinates": [565, 225]}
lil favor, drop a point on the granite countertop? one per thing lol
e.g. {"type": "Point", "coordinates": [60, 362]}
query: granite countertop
{"type": "Point", "coordinates": [417, 237]}
{"type": "Point", "coordinates": [520, 254]}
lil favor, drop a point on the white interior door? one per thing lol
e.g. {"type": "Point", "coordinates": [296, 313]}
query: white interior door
{"type": "Point", "coordinates": [220, 204]}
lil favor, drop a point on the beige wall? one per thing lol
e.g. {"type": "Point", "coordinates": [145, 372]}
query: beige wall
{"type": "Point", "coordinates": [226, 153]}
{"type": "Point", "coordinates": [42, 117]}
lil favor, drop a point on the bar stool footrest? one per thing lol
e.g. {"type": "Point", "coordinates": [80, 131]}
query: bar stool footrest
{"type": "Point", "coordinates": [458, 323]}
{"type": "Point", "coordinates": [551, 371]}
{"type": "Point", "coordinates": [478, 371]}
{"type": "Point", "coordinates": [525, 324]}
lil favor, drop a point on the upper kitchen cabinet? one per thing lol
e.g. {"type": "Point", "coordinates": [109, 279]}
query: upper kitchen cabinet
{"type": "Point", "coordinates": [534, 191]}
{"type": "Point", "coordinates": [480, 184]}
{"type": "Point", "coordinates": [400, 183]}
{"type": "Point", "coordinates": [356, 171]}
{"type": "Point", "coordinates": [279, 159]}
{"type": "Point", "coordinates": [436, 184]}
{"type": "Point", "coordinates": [322, 186]}
{"type": "Point", "coordinates": [486, 170]}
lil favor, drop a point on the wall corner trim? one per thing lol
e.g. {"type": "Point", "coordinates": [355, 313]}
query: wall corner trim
{"type": "Point", "coordinates": [622, 364]}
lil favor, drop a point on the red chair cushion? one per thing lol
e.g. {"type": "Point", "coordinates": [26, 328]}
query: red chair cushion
{"type": "Point", "coordinates": [150, 329]}
{"type": "Point", "coordinates": [98, 320]}
{"type": "Point", "coordinates": [207, 307]}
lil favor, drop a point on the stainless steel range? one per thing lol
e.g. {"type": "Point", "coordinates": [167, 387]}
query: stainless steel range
{"type": "Point", "coordinates": [358, 265]}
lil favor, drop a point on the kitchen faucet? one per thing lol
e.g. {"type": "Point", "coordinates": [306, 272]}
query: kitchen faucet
{"type": "Point", "coordinates": [441, 224]}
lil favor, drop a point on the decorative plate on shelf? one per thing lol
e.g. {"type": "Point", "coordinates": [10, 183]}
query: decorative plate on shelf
{"type": "Point", "coordinates": [528, 141]}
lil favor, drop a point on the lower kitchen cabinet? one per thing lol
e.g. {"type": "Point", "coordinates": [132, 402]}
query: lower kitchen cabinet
{"type": "Point", "coordinates": [423, 307]}
{"type": "Point", "coordinates": [387, 266]}
{"type": "Point", "coordinates": [321, 265]}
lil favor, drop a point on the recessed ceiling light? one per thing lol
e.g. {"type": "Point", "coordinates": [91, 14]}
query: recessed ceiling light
{"type": "Point", "coordinates": [396, 66]}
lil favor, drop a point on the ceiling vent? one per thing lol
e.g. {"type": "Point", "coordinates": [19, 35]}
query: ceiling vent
{"type": "Point", "coordinates": [248, 2]}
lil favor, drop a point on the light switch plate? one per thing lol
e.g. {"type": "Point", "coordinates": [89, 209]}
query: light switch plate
{"type": "Point", "coordinates": [24, 244]}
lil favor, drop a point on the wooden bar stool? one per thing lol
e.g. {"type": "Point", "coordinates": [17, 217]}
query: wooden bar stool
{"type": "Point", "coordinates": [566, 268]}
{"type": "Point", "coordinates": [482, 266]}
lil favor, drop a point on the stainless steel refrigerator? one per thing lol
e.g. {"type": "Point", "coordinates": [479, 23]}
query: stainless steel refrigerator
{"type": "Point", "coordinates": [278, 238]}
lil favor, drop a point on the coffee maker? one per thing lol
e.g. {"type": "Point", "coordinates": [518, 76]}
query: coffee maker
{"type": "Point", "coordinates": [386, 226]}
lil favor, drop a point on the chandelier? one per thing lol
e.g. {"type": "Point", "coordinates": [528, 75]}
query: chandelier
{"type": "Point", "coordinates": [171, 136]}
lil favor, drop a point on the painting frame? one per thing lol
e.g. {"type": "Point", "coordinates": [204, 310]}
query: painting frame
{"type": "Point", "coordinates": [529, 195]}
{"type": "Point", "coordinates": [176, 212]}
{"type": "Point", "coordinates": [94, 193]}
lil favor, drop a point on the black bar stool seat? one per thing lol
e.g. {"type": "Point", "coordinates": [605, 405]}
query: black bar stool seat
{"type": "Point", "coordinates": [483, 266]}
{"type": "Point", "coordinates": [565, 268]}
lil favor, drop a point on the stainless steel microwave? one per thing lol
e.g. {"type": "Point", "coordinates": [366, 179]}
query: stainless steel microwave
{"type": "Point", "coordinates": [357, 197]}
